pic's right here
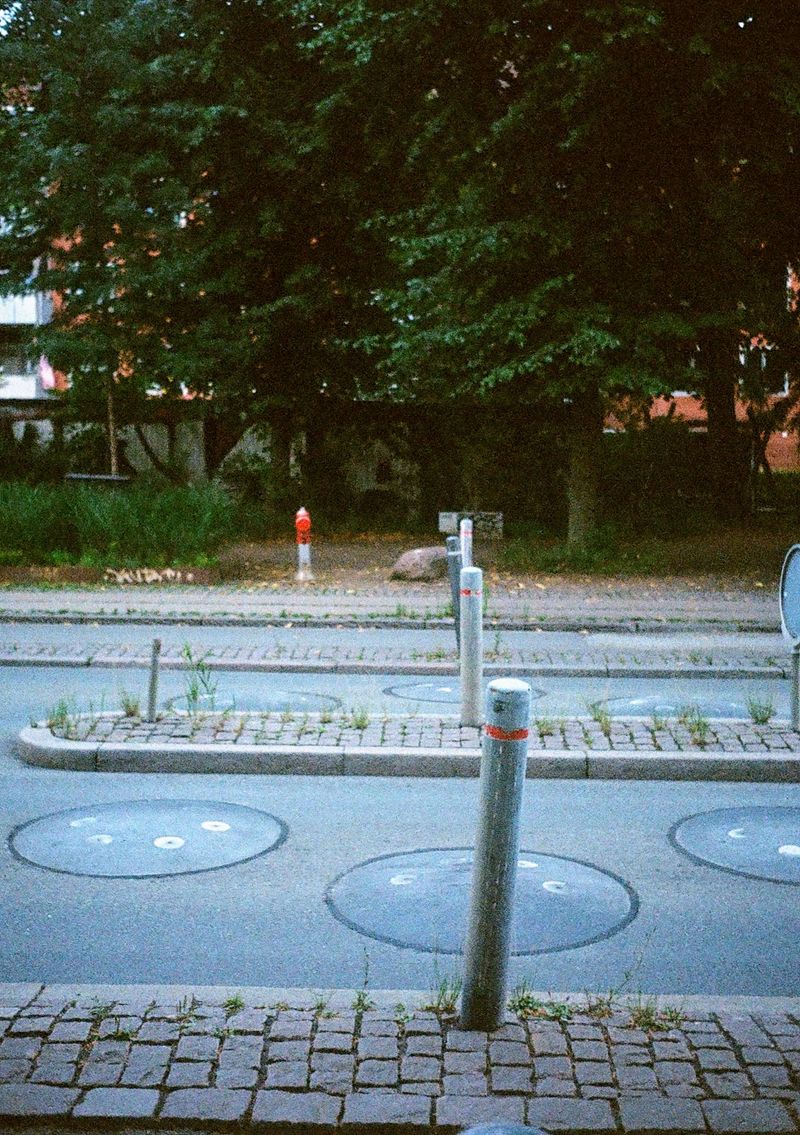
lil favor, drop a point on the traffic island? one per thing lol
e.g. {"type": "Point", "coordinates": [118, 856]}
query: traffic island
{"type": "Point", "coordinates": [157, 1058]}
{"type": "Point", "coordinates": [357, 744]}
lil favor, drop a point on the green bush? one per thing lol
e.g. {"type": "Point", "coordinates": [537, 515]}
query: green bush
{"type": "Point", "coordinates": [131, 527]}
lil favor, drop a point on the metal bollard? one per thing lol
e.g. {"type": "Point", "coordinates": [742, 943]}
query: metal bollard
{"type": "Point", "coordinates": [302, 524]}
{"type": "Point", "coordinates": [471, 647]}
{"type": "Point", "coordinates": [503, 764]}
{"type": "Point", "coordinates": [794, 693]}
{"type": "Point", "coordinates": [465, 533]}
{"type": "Point", "coordinates": [454, 575]}
{"type": "Point", "coordinates": [152, 690]}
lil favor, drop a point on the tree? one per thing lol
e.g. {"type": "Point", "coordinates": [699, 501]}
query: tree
{"type": "Point", "coordinates": [588, 199]}
{"type": "Point", "coordinates": [160, 164]}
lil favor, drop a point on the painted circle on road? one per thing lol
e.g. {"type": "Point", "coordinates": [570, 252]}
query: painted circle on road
{"type": "Point", "coordinates": [419, 900]}
{"type": "Point", "coordinates": [446, 691]}
{"type": "Point", "coordinates": [665, 706]}
{"type": "Point", "coordinates": [136, 839]}
{"type": "Point", "coordinates": [760, 843]}
{"type": "Point", "coordinates": [266, 701]}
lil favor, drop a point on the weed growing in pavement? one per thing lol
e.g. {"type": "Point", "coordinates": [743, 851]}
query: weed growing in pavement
{"type": "Point", "coordinates": [359, 718]}
{"type": "Point", "coordinates": [761, 712]}
{"type": "Point", "coordinates": [444, 993]}
{"type": "Point", "coordinates": [697, 725]}
{"type": "Point", "coordinates": [646, 1014]}
{"type": "Point", "coordinates": [545, 726]}
{"type": "Point", "coordinates": [233, 1005]}
{"type": "Point", "coordinates": [186, 1010]}
{"type": "Point", "coordinates": [321, 1006]}
{"type": "Point", "coordinates": [119, 1033]}
{"type": "Point", "coordinates": [362, 1000]}
{"type": "Point", "coordinates": [600, 715]}
{"type": "Point", "coordinates": [63, 719]}
{"type": "Point", "coordinates": [131, 703]}
{"type": "Point", "coordinates": [199, 680]}
{"type": "Point", "coordinates": [401, 1015]}
{"type": "Point", "coordinates": [526, 1004]}
{"type": "Point", "coordinates": [100, 1010]}
{"type": "Point", "coordinates": [658, 722]}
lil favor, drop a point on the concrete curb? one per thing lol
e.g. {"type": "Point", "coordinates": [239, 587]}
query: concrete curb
{"type": "Point", "coordinates": [37, 746]}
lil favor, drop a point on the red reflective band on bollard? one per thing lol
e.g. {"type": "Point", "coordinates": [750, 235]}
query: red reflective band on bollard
{"type": "Point", "coordinates": [499, 734]}
{"type": "Point", "coordinates": [468, 591]}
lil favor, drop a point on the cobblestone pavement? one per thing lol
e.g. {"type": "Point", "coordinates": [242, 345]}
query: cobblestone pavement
{"type": "Point", "coordinates": [309, 658]}
{"type": "Point", "coordinates": [244, 1063]}
{"type": "Point", "coordinates": [688, 733]}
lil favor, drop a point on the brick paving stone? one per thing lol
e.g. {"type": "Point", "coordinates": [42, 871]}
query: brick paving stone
{"type": "Point", "coordinates": [628, 1054]}
{"type": "Point", "coordinates": [30, 1026]}
{"type": "Point", "coordinates": [54, 1072]}
{"type": "Point", "coordinates": [20, 1048]}
{"type": "Point", "coordinates": [287, 1074]}
{"type": "Point", "coordinates": [424, 1045]}
{"type": "Point", "coordinates": [465, 1084]}
{"type": "Point", "coordinates": [671, 1050]}
{"type": "Point", "coordinates": [423, 1025]}
{"type": "Point", "coordinates": [593, 1072]}
{"type": "Point", "coordinates": [458, 1040]}
{"type": "Point", "coordinates": [512, 1032]}
{"type": "Point", "coordinates": [376, 1073]}
{"type": "Point", "coordinates": [422, 1087]}
{"type": "Point", "coordinates": [717, 1060]}
{"type": "Point", "coordinates": [571, 1115]}
{"type": "Point", "coordinates": [189, 1074]}
{"type": "Point", "coordinates": [117, 1103]}
{"type": "Point", "coordinates": [289, 1050]}
{"type": "Point", "coordinates": [377, 1027]}
{"type": "Point", "coordinates": [291, 1028]}
{"type": "Point", "coordinates": [160, 1032]}
{"type": "Point", "coordinates": [743, 1029]}
{"type": "Point", "coordinates": [725, 1117]}
{"type": "Point", "coordinates": [584, 1031]}
{"type": "Point", "coordinates": [463, 1111]}
{"type": "Point", "coordinates": [710, 1038]}
{"type": "Point", "coordinates": [549, 1044]}
{"type": "Point", "coordinates": [340, 1023]}
{"type": "Point", "coordinates": [206, 1104]}
{"type": "Point", "coordinates": [509, 1052]}
{"type": "Point", "coordinates": [456, 1062]}
{"type": "Point", "coordinates": [77, 1031]}
{"type": "Point", "coordinates": [387, 1108]}
{"type": "Point", "coordinates": [636, 1076]}
{"type": "Point", "coordinates": [555, 1087]}
{"type": "Point", "coordinates": [236, 1077]}
{"type": "Point", "coordinates": [761, 1056]}
{"type": "Point", "coordinates": [589, 1050]}
{"type": "Point", "coordinates": [248, 1050]}
{"type": "Point", "coordinates": [384, 1047]}
{"type": "Point", "coordinates": [289, 1108]}
{"type": "Point", "coordinates": [654, 1113]}
{"type": "Point", "coordinates": [729, 1085]}
{"type": "Point", "coordinates": [511, 1078]}
{"type": "Point", "coordinates": [36, 1099]}
{"type": "Point", "coordinates": [769, 1076]}
{"type": "Point", "coordinates": [675, 1072]}
{"type": "Point", "coordinates": [248, 1021]}
{"type": "Point", "coordinates": [146, 1066]}
{"type": "Point", "coordinates": [62, 1053]}
{"type": "Point", "coordinates": [420, 1068]}
{"type": "Point", "coordinates": [333, 1072]}
{"type": "Point", "coordinates": [12, 1071]}
{"type": "Point", "coordinates": [546, 1066]}
{"type": "Point", "coordinates": [333, 1042]}
{"type": "Point", "coordinates": [197, 1048]}
{"type": "Point", "coordinates": [112, 1025]}
{"type": "Point", "coordinates": [619, 1035]}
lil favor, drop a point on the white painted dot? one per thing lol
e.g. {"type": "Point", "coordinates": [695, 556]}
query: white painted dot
{"type": "Point", "coordinates": [403, 879]}
{"type": "Point", "coordinates": [104, 839]}
{"type": "Point", "coordinates": [215, 826]}
{"type": "Point", "coordinates": [528, 864]}
{"type": "Point", "coordinates": [554, 886]}
{"type": "Point", "coordinates": [83, 822]}
{"type": "Point", "coordinates": [736, 833]}
{"type": "Point", "coordinates": [170, 842]}
{"type": "Point", "coordinates": [789, 849]}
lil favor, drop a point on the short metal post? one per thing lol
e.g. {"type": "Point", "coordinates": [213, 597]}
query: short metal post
{"type": "Point", "coordinates": [795, 691]}
{"type": "Point", "coordinates": [465, 533]}
{"type": "Point", "coordinates": [152, 690]}
{"type": "Point", "coordinates": [503, 763]}
{"type": "Point", "coordinates": [454, 574]}
{"type": "Point", "coordinates": [471, 602]}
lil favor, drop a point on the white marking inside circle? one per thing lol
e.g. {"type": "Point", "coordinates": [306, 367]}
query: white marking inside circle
{"type": "Point", "coordinates": [789, 849]}
{"type": "Point", "coordinates": [554, 886]}
{"type": "Point", "coordinates": [169, 842]}
{"type": "Point", "coordinates": [528, 863]}
{"type": "Point", "coordinates": [104, 839]}
{"type": "Point", "coordinates": [83, 822]}
{"type": "Point", "coordinates": [215, 826]}
{"type": "Point", "coordinates": [403, 879]}
{"type": "Point", "coordinates": [736, 833]}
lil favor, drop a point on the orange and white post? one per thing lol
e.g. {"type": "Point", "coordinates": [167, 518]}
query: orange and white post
{"type": "Point", "coordinates": [302, 526]}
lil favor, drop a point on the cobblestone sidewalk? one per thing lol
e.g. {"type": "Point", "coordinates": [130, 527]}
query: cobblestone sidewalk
{"type": "Point", "coordinates": [299, 1063]}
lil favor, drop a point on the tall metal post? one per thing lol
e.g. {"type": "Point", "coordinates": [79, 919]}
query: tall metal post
{"type": "Point", "coordinates": [465, 534]}
{"type": "Point", "coordinates": [471, 600]}
{"type": "Point", "coordinates": [454, 574]}
{"type": "Point", "coordinates": [152, 691]}
{"type": "Point", "coordinates": [795, 691]}
{"type": "Point", "coordinates": [503, 763]}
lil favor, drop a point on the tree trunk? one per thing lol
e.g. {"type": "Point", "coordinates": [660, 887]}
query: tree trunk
{"type": "Point", "coordinates": [585, 433]}
{"type": "Point", "coordinates": [726, 459]}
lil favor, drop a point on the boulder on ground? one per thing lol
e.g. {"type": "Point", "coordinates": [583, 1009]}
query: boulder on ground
{"type": "Point", "coordinates": [421, 564]}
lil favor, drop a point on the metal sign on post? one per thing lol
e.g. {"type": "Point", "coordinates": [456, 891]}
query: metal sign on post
{"type": "Point", "coordinates": [503, 765]}
{"type": "Point", "coordinates": [789, 601]}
